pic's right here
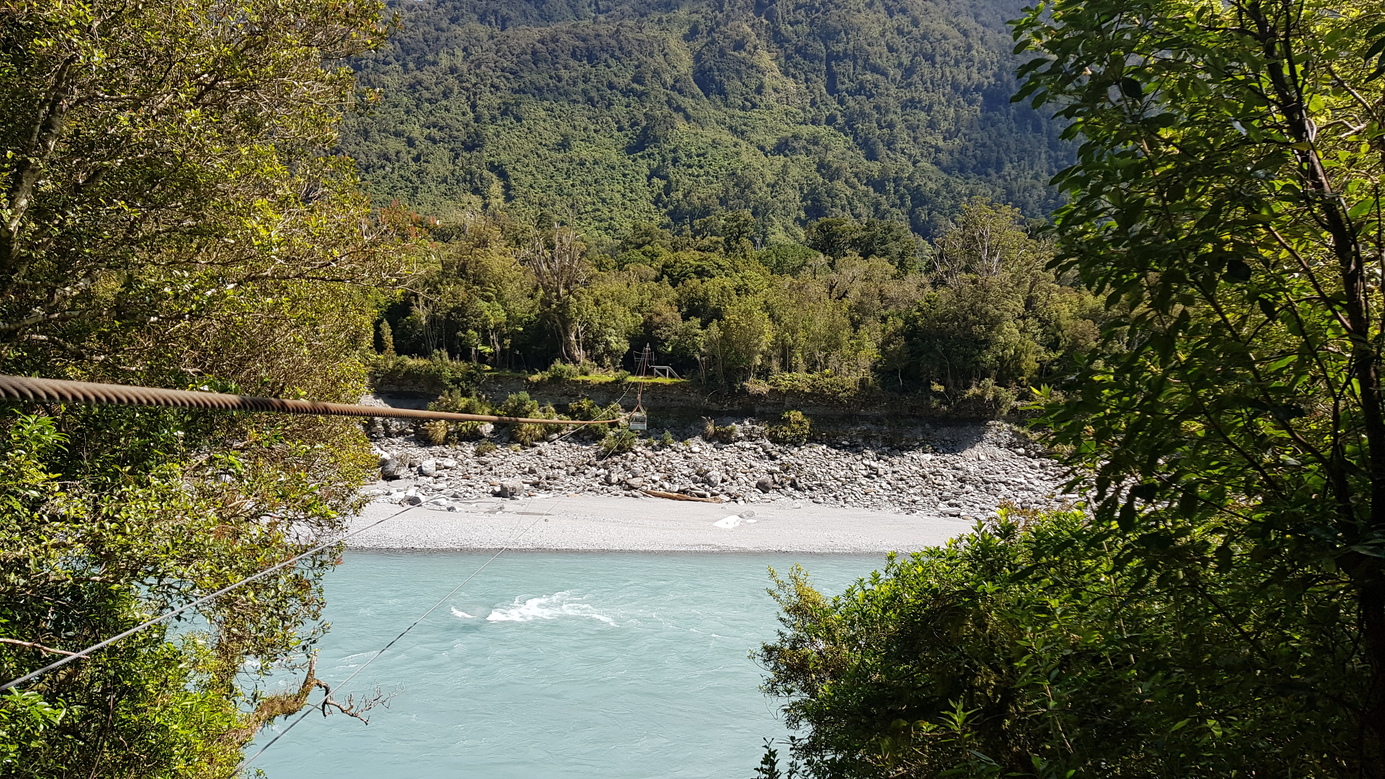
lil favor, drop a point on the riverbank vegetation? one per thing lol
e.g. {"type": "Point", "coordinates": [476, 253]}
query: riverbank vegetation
{"type": "Point", "coordinates": [969, 318]}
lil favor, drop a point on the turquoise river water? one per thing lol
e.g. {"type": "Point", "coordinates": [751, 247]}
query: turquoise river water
{"type": "Point", "coordinates": [613, 665]}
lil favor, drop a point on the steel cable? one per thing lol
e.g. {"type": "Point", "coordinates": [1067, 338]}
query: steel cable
{"type": "Point", "coordinates": [63, 391]}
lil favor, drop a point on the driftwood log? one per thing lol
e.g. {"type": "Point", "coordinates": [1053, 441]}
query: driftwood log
{"type": "Point", "coordinates": [679, 496]}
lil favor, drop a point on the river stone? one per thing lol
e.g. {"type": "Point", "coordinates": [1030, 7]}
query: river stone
{"type": "Point", "coordinates": [510, 489]}
{"type": "Point", "coordinates": [394, 468]}
{"type": "Point", "coordinates": [428, 468]}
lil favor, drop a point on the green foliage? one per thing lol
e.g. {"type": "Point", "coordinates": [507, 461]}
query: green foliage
{"type": "Point", "coordinates": [984, 309]}
{"type": "Point", "coordinates": [559, 372]}
{"type": "Point", "coordinates": [173, 218]}
{"type": "Point", "coordinates": [1225, 205]}
{"type": "Point", "coordinates": [1030, 647]}
{"type": "Point", "coordinates": [826, 384]}
{"type": "Point", "coordinates": [793, 428]}
{"type": "Point", "coordinates": [739, 121]}
{"type": "Point", "coordinates": [486, 447]}
{"type": "Point", "coordinates": [996, 312]}
{"type": "Point", "coordinates": [520, 404]}
{"type": "Point", "coordinates": [434, 433]}
{"type": "Point", "coordinates": [714, 433]}
{"type": "Point", "coordinates": [618, 440]}
{"type": "Point", "coordinates": [438, 373]}
{"type": "Point", "coordinates": [457, 402]}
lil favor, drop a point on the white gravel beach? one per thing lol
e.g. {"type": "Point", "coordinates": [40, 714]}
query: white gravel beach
{"type": "Point", "coordinates": [645, 524]}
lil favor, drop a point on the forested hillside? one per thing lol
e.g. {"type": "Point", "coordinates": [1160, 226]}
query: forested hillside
{"type": "Point", "coordinates": [610, 114]}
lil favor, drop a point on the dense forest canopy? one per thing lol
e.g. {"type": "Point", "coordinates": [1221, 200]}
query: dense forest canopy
{"type": "Point", "coordinates": [609, 114]}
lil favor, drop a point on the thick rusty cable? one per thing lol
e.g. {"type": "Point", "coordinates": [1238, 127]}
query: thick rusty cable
{"type": "Point", "coordinates": [63, 391]}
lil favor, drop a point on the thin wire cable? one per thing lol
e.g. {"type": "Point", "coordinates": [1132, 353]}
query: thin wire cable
{"type": "Point", "coordinates": [198, 602]}
{"type": "Point", "coordinates": [308, 710]}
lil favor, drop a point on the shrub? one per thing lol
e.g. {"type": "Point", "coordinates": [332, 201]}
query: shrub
{"type": "Point", "coordinates": [586, 408]}
{"type": "Point", "coordinates": [826, 384]}
{"type": "Point", "coordinates": [435, 374]}
{"type": "Point", "coordinates": [485, 447]}
{"type": "Point", "coordinates": [434, 433]}
{"type": "Point", "coordinates": [456, 402]}
{"type": "Point", "coordinates": [667, 439]}
{"type": "Point", "coordinates": [619, 440]}
{"type": "Point", "coordinates": [726, 434]}
{"type": "Point", "coordinates": [793, 428]}
{"type": "Point", "coordinates": [519, 404]}
{"type": "Point", "coordinates": [559, 372]}
{"type": "Point", "coordinates": [974, 642]}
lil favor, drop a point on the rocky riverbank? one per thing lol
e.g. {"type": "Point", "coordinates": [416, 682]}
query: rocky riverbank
{"type": "Point", "coordinates": [958, 471]}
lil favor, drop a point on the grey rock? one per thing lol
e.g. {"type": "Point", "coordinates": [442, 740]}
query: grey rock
{"type": "Point", "coordinates": [712, 478]}
{"type": "Point", "coordinates": [765, 483]}
{"type": "Point", "coordinates": [394, 468]}
{"type": "Point", "coordinates": [634, 482]}
{"type": "Point", "coordinates": [413, 500]}
{"type": "Point", "coordinates": [510, 489]}
{"type": "Point", "coordinates": [428, 468]}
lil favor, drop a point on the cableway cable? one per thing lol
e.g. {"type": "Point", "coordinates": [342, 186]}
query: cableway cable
{"type": "Point", "coordinates": [63, 391]}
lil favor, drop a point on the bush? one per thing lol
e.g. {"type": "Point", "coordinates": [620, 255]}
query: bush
{"type": "Point", "coordinates": [587, 409]}
{"type": "Point", "coordinates": [485, 447]}
{"type": "Point", "coordinates": [528, 433]}
{"type": "Point", "coordinates": [984, 400]}
{"type": "Point", "coordinates": [826, 384]}
{"type": "Point", "coordinates": [519, 404]}
{"type": "Point", "coordinates": [619, 440]}
{"type": "Point", "coordinates": [433, 433]}
{"type": "Point", "coordinates": [793, 428]}
{"type": "Point", "coordinates": [726, 434]}
{"type": "Point", "coordinates": [967, 659]}
{"type": "Point", "coordinates": [559, 372]}
{"type": "Point", "coordinates": [436, 374]}
{"type": "Point", "coordinates": [456, 402]}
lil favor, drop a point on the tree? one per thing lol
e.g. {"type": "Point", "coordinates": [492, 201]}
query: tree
{"type": "Point", "coordinates": [144, 183]}
{"type": "Point", "coordinates": [1226, 203]}
{"type": "Point", "coordinates": [558, 262]}
{"type": "Point", "coordinates": [171, 217]}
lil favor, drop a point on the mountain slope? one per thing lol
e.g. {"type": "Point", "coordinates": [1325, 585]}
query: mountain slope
{"type": "Point", "coordinates": [614, 112]}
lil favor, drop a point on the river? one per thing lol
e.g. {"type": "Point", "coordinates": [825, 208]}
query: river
{"type": "Point", "coordinates": [614, 665]}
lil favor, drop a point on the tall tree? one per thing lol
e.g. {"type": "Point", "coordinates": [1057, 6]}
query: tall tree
{"type": "Point", "coordinates": [169, 215]}
{"type": "Point", "coordinates": [1227, 200]}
